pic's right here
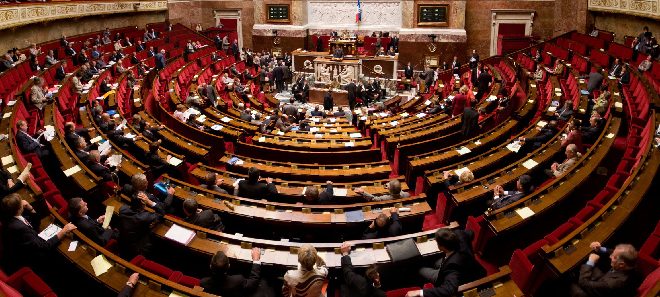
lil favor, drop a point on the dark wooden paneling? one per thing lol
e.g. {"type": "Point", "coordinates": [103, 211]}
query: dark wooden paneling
{"type": "Point", "coordinates": [288, 44]}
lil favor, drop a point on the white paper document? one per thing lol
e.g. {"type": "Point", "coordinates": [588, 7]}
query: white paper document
{"type": "Point", "coordinates": [109, 210]}
{"type": "Point", "coordinates": [174, 161]}
{"type": "Point", "coordinates": [514, 146]}
{"type": "Point", "coordinates": [225, 119]}
{"type": "Point", "coordinates": [71, 171]}
{"type": "Point", "coordinates": [96, 139]}
{"type": "Point", "coordinates": [72, 246]}
{"type": "Point", "coordinates": [349, 144]}
{"type": "Point", "coordinates": [529, 164]}
{"type": "Point", "coordinates": [114, 160]}
{"type": "Point", "coordinates": [463, 150]}
{"type": "Point", "coordinates": [341, 192]}
{"type": "Point", "coordinates": [6, 160]}
{"type": "Point", "coordinates": [356, 135]}
{"type": "Point", "coordinates": [525, 212]}
{"type": "Point", "coordinates": [100, 265]}
{"type": "Point", "coordinates": [180, 234]}
{"type": "Point", "coordinates": [49, 232]}
{"type": "Point", "coordinates": [461, 170]}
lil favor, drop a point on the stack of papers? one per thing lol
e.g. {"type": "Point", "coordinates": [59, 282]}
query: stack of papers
{"type": "Point", "coordinates": [104, 147]}
{"type": "Point", "coordinates": [114, 160]}
{"type": "Point", "coordinates": [349, 144]}
{"type": "Point", "coordinates": [541, 124]}
{"type": "Point", "coordinates": [261, 139]}
{"type": "Point", "coordinates": [421, 115]}
{"type": "Point", "coordinates": [180, 234]}
{"type": "Point", "coordinates": [225, 119]}
{"type": "Point", "coordinates": [394, 123]}
{"type": "Point", "coordinates": [109, 210]}
{"type": "Point", "coordinates": [216, 127]}
{"type": "Point", "coordinates": [355, 135]}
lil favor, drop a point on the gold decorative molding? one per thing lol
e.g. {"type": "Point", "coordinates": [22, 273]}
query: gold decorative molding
{"type": "Point", "coordinates": [643, 8]}
{"type": "Point", "coordinates": [29, 14]}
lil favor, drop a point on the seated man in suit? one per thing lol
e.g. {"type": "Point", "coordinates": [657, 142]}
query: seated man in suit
{"type": "Point", "coordinates": [545, 134]}
{"type": "Point", "coordinates": [620, 280]}
{"type": "Point", "coordinates": [212, 181]}
{"type": "Point", "coordinates": [457, 267]}
{"type": "Point", "coordinates": [88, 226]}
{"type": "Point", "coordinates": [22, 245]}
{"type": "Point", "coordinates": [203, 218]}
{"type": "Point", "coordinates": [572, 156]}
{"type": "Point", "coordinates": [101, 169]}
{"type": "Point", "coordinates": [253, 188]}
{"type": "Point", "coordinates": [354, 284]}
{"type": "Point", "coordinates": [313, 196]}
{"type": "Point", "coordinates": [394, 188]}
{"type": "Point", "coordinates": [134, 222]}
{"type": "Point", "coordinates": [503, 198]}
{"type": "Point", "coordinates": [384, 226]}
{"type": "Point", "coordinates": [71, 134]}
{"type": "Point", "coordinates": [29, 144]}
{"type": "Point", "coordinates": [220, 283]}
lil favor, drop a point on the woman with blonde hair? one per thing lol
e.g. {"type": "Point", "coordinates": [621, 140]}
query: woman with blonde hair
{"type": "Point", "coordinates": [460, 101]}
{"type": "Point", "coordinates": [308, 279]}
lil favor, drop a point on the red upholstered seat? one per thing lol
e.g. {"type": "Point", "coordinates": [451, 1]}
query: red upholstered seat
{"type": "Point", "coordinates": [400, 292]}
{"type": "Point", "coordinates": [28, 283]}
{"type": "Point", "coordinates": [650, 281]}
{"type": "Point", "coordinates": [560, 232]}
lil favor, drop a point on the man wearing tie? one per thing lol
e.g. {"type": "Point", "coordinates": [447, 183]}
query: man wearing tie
{"type": "Point", "coordinates": [620, 280]}
{"type": "Point", "coordinates": [151, 52]}
{"type": "Point", "coordinates": [616, 68]}
{"type": "Point", "coordinates": [88, 226]}
{"type": "Point", "coordinates": [29, 144]}
{"type": "Point", "coordinates": [60, 72]}
{"type": "Point", "coordinates": [21, 241]}
{"type": "Point", "coordinates": [338, 53]}
{"type": "Point", "coordinates": [456, 66]}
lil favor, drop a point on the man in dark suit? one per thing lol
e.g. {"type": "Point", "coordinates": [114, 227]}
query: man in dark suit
{"type": "Point", "coordinates": [354, 284]}
{"type": "Point", "coordinates": [21, 242]}
{"type": "Point", "coordinates": [319, 43]}
{"type": "Point", "coordinates": [29, 144]}
{"type": "Point", "coordinates": [305, 92]}
{"type": "Point", "coordinates": [203, 218]}
{"type": "Point", "coordinates": [290, 109]}
{"type": "Point", "coordinates": [595, 80]}
{"type": "Point", "coordinates": [429, 75]}
{"type": "Point", "coordinates": [328, 102]}
{"type": "Point", "coordinates": [220, 283]}
{"type": "Point", "coordinates": [408, 71]}
{"type": "Point", "coordinates": [313, 196]}
{"type": "Point", "coordinates": [235, 51]}
{"type": "Point", "coordinates": [134, 222]}
{"type": "Point", "coordinates": [88, 226]}
{"type": "Point", "coordinates": [384, 226]}
{"type": "Point", "coordinates": [60, 72]}
{"type": "Point", "coordinates": [546, 133]}
{"type": "Point", "coordinates": [620, 280]}
{"type": "Point", "coordinates": [474, 59]}
{"type": "Point", "coordinates": [503, 198]}
{"type": "Point", "coordinates": [252, 188]}
{"type": "Point", "coordinates": [615, 70]}
{"type": "Point", "coordinates": [278, 77]}
{"type": "Point", "coordinates": [457, 267]}
{"type": "Point", "coordinates": [160, 60]}
{"type": "Point", "coordinates": [151, 52]}
{"type": "Point", "coordinates": [395, 43]}
{"type": "Point", "coordinates": [127, 291]}
{"type": "Point", "coordinates": [483, 82]}
{"type": "Point", "coordinates": [456, 66]}
{"type": "Point", "coordinates": [100, 169]}
{"type": "Point", "coordinates": [352, 90]}
{"type": "Point", "coordinates": [470, 121]}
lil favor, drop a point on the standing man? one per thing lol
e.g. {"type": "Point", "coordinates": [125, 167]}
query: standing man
{"type": "Point", "coordinates": [483, 82]}
{"type": "Point", "coordinates": [160, 60]}
{"type": "Point", "coordinates": [408, 73]}
{"type": "Point", "coordinates": [352, 89]}
{"type": "Point", "coordinates": [328, 102]}
{"type": "Point", "coordinates": [456, 66]}
{"type": "Point", "coordinates": [470, 121]}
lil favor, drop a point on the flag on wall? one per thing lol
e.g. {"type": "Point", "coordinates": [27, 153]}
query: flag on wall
{"type": "Point", "coordinates": [358, 15]}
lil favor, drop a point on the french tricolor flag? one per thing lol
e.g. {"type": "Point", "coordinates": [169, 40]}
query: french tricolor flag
{"type": "Point", "coordinates": [358, 15]}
